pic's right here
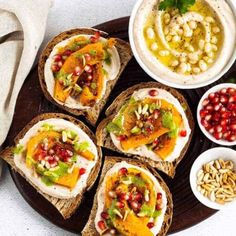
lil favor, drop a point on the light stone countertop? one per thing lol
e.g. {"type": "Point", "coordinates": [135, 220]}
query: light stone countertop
{"type": "Point", "coordinates": [16, 216]}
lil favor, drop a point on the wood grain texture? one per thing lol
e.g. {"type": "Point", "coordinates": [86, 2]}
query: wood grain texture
{"type": "Point", "coordinates": [31, 102]}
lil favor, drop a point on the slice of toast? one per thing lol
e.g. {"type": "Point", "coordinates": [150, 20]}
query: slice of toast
{"type": "Point", "coordinates": [65, 206]}
{"type": "Point", "coordinates": [92, 113]}
{"type": "Point", "coordinates": [104, 139]}
{"type": "Point", "coordinates": [90, 230]}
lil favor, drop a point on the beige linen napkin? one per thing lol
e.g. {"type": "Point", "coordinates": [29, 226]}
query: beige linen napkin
{"type": "Point", "coordinates": [22, 28]}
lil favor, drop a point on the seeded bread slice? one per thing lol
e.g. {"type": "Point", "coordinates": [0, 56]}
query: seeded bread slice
{"type": "Point", "coordinates": [104, 139]}
{"type": "Point", "coordinates": [110, 161]}
{"type": "Point", "coordinates": [92, 113]}
{"type": "Point", "coordinates": [65, 206]}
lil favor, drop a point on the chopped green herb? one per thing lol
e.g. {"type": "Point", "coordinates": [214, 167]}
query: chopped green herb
{"type": "Point", "coordinates": [77, 88]}
{"type": "Point", "coordinates": [110, 211]}
{"type": "Point", "coordinates": [81, 146]}
{"type": "Point", "coordinates": [104, 71]}
{"type": "Point", "coordinates": [93, 52]}
{"type": "Point", "coordinates": [146, 211]}
{"type": "Point", "coordinates": [156, 214]}
{"type": "Point", "coordinates": [18, 149]}
{"type": "Point", "coordinates": [93, 85]}
{"type": "Point", "coordinates": [136, 130]}
{"type": "Point", "coordinates": [47, 127]}
{"type": "Point", "coordinates": [107, 58]}
{"type": "Point", "coordinates": [113, 128]}
{"type": "Point", "coordinates": [133, 179]}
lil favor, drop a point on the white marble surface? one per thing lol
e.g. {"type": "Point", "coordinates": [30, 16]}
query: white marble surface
{"type": "Point", "coordinates": [16, 216]}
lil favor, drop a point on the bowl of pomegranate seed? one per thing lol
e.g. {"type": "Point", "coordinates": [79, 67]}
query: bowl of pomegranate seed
{"type": "Point", "coordinates": [216, 114]}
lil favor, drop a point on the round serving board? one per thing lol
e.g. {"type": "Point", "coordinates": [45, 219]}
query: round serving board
{"type": "Point", "coordinates": [31, 102]}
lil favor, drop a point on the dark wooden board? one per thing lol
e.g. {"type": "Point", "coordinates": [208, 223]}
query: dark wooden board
{"type": "Point", "coordinates": [31, 102]}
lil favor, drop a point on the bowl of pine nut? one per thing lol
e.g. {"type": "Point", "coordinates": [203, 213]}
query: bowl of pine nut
{"type": "Point", "coordinates": [213, 178]}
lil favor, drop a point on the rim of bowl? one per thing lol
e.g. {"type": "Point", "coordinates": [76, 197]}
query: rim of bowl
{"type": "Point", "coordinates": [202, 159]}
{"type": "Point", "coordinates": [163, 81]}
{"type": "Point", "coordinates": [205, 132]}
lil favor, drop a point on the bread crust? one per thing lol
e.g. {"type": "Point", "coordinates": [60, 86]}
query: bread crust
{"type": "Point", "coordinates": [92, 113]}
{"type": "Point", "coordinates": [110, 161]}
{"type": "Point", "coordinates": [104, 139]}
{"type": "Point", "coordinates": [65, 206]}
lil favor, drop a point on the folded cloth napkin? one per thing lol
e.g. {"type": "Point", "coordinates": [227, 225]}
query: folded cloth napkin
{"type": "Point", "coordinates": [22, 28]}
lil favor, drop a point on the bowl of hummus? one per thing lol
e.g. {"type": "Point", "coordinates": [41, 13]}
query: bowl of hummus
{"type": "Point", "coordinates": [188, 47]}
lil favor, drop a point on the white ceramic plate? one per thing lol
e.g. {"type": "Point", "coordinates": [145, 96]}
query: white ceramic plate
{"type": "Point", "coordinates": [161, 80]}
{"type": "Point", "coordinates": [205, 157]}
{"type": "Point", "coordinates": [207, 134]}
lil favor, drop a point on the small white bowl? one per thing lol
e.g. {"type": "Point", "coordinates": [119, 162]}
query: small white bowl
{"type": "Point", "coordinates": [207, 134]}
{"type": "Point", "coordinates": [162, 80]}
{"type": "Point", "coordinates": [205, 157]}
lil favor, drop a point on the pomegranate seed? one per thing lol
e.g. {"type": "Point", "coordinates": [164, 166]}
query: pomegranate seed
{"type": "Point", "coordinates": [150, 225]}
{"type": "Point", "coordinates": [97, 34]}
{"type": "Point", "coordinates": [70, 153]}
{"type": "Point", "coordinates": [159, 196]}
{"type": "Point", "coordinates": [211, 130]}
{"type": "Point", "coordinates": [217, 107]}
{"type": "Point", "coordinates": [158, 207]}
{"type": "Point", "coordinates": [211, 96]}
{"type": "Point", "coordinates": [226, 135]}
{"type": "Point", "coordinates": [205, 102]}
{"type": "Point", "coordinates": [124, 196]}
{"type": "Point", "coordinates": [216, 117]}
{"type": "Point", "coordinates": [233, 127]}
{"type": "Point", "coordinates": [153, 92]}
{"type": "Point", "coordinates": [223, 91]}
{"type": "Point", "coordinates": [224, 122]}
{"type": "Point", "coordinates": [223, 99]}
{"type": "Point", "coordinates": [205, 124]}
{"type": "Point", "coordinates": [223, 109]}
{"type": "Point", "coordinates": [104, 215]}
{"type": "Point", "coordinates": [60, 64]}
{"type": "Point", "coordinates": [209, 107]}
{"type": "Point", "coordinates": [218, 129]}
{"type": "Point", "coordinates": [56, 158]}
{"type": "Point", "coordinates": [208, 117]}
{"type": "Point", "coordinates": [135, 205]}
{"type": "Point", "coordinates": [231, 90]}
{"type": "Point", "coordinates": [231, 106]}
{"type": "Point", "coordinates": [120, 204]}
{"type": "Point", "coordinates": [121, 137]}
{"type": "Point", "coordinates": [90, 77]}
{"type": "Point", "coordinates": [226, 114]}
{"type": "Point", "coordinates": [183, 133]}
{"type": "Point", "coordinates": [101, 224]}
{"type": "Point", "coordinates": [215, 100]}
{"type": "Point", "coordinates": [203, 113]}
{"type": "Point", "coordinates": [77, 71]}
{"type": "Point", "coordinates": [57, 58]}
{"type": "Point", "coordinates": [88, 68]}
{"type": "Point", "coordinates": [232, 99]}
{"type": "Point", "coordinates": [233, 121]}
{"type": "Point", "coordinates": [138, 197]}
{"type": "Point", "coordinates": [156, 141]}
{"type": "Point", "coordinates": [112, 194]}
{"type": "Point", "coordinates": [231, 138]}
{"type": "Point", "coordinates": [123, 171]}
{"type": "Point", "coordinates": [82, 171]}
{"type": "Point", "coordinates": [156, 114]}
{"type": "Point", "coordinates": [67, 52]}
{"type": "Point", "coordinates": [93, 39]}
{"type": "Point", "coordinates": [218, 135]}
{"type": "Point", "coordinates": [55, 68]}
{"type": "Point", "coordinates": [87, 57]}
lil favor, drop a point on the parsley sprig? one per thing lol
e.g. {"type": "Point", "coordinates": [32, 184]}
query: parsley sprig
{"type": "Point", "coordinates": [182, 5]}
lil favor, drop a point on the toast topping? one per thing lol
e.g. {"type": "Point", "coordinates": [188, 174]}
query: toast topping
{"type": "Point", "coordinates": [132, 203]}
{"type": "Point", "coordinates": [150, 121]}
{"type": "Point", "coordinates": [57, 155]}
{"type": "Point", "coordinates": [81, 67]}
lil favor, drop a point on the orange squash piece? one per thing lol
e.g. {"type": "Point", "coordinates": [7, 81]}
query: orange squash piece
{"type": "Point", "coordinates": [167, 149]}
{"type": "Point", "coordinates": [139, 140]}
{"type": "Point", "coordinates": [69, 180]}
{"type": "Point", "coordinates": [86, 97]}
{"type": "Point", "coordinates": [87, 155]}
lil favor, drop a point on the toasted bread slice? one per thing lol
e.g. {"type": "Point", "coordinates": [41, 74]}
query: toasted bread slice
{"type": "Point", "coordinates": [90, 230]}
{"type": "Point", "coordinates": [104, 139]}
{"type": "Point", "coordinates": [65, 206]}
{"type": "Point", "coordinates": [92, 113]}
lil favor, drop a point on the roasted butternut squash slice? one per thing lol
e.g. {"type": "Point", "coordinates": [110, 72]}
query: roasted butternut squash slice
{"type": "Point", "coordinates": [139, 140]}
{"type": "Point", "coordinates": [69, 180]}
{"type": "Point", "coordinates": [87, 155]}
